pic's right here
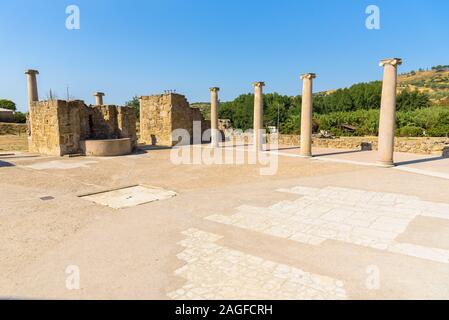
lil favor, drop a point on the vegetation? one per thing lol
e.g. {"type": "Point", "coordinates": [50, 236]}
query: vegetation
{"type": "Point", "coordinates": [433, 121]}
{"type": "Point", "coordinates": [433, 82]}
{"type": "Point", "coordinates": [349, 111]}
{"type": "Point", "coordinates": [204, 108]}
{"type": "Point", "coordinates": [20, 117]}
{"type": "Point", "coordinates": [7, 104]}
{"type": "Point", "coordinates": [441, 68]}
{"type": "Point", "coordinates": [135, 104]}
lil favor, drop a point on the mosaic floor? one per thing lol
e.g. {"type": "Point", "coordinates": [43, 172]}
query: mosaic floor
{"type": "Point", "coordinates": [371, 219]}
{"type": "Point", "coordinates": [216, 272]}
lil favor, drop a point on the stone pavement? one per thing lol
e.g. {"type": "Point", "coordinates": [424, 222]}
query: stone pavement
{"type": "Point", "coordinates": [372, 219]}
{"type": "Point", "coordinates": [216, 272]}
{"type": "Point", "coordinates": [314, 230]}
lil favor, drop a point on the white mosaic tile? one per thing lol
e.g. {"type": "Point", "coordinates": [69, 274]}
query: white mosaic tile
{"type": "Point", "coordinates": [365, 218]}
{"type": "Point", "coordinates": [217, 272]}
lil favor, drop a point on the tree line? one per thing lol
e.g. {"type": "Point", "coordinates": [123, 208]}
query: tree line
{"type": "Point", "coordinates": [357, 106]}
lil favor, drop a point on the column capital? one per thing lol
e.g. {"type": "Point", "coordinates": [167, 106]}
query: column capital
{"type": "Point", "coordinates": [98, 94]}
{"type": "Point", "coordinates": [391, 61]}
{"type": "Point", "coordinates": [214, 89]}
{"type": "Point", "coordinates": [308, 76]}
{"type": "Point", "coordinates": [31, 72]}
{"type": "Point", "coordinates": [259, 84]}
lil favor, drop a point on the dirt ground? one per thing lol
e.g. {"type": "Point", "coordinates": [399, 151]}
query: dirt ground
{"type": "Point", "coordinates": [174, 249]}
{"type": "Point", "coordinates": [14, 142]}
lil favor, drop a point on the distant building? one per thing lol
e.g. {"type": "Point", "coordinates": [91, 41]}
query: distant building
{"type": "Point", "coordinates": [6, 115]}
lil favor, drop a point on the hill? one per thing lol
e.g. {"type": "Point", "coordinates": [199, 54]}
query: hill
{"type": "Point", "coordinates": [434, 82]}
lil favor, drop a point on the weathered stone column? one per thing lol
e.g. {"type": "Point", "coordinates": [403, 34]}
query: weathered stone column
{"type": "Point", "coordinates": [98, 98]}
{"type": "Point", "coordinates": [258, 115]}
{"type": "Point", "coordinates": [306, 114]}
{"type": "Point", "coordinates": [214, 116]}
{"type": "Point", "coordinates": [32, 86]}
{"type": "Point", "coordinates": [32, 97]}
{"type": "Point", "coordinates": [387, 119]}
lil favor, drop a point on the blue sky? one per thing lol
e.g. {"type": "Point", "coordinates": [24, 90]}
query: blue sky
{"type": "Point", "coordinates": [131, 47]}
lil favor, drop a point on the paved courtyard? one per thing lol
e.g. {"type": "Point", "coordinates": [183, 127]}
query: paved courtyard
{"type": "Point", "coordinates": [140, 226]}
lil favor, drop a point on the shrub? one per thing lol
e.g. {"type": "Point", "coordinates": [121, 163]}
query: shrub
{"type": "Point", "coordinates": [439, 131]}
{"type": "Point", "coordinates": [410, 131]}
{"type": "Point", "coordinates": [20, 117]}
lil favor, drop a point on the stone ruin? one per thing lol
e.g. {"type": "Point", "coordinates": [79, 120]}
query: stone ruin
{"type": "Point", "coordinates": [60, 127]}
{"type": "Point", "coordinates": [161, 114]}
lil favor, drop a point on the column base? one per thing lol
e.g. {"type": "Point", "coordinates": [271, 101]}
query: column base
{"type": "Point", "coordinates": [385, 164]}
{"type": "Point", "coordinates": [307, 155]}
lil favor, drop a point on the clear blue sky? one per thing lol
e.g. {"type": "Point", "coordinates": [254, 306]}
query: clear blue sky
{"type": "Point", "coordinates": [144, 47]}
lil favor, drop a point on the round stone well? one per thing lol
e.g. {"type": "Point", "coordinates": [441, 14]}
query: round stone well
{"type": "Point", "coordinates": [107, 147]}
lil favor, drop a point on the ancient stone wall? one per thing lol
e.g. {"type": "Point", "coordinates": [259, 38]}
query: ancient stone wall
{"type": "Point", "coordinates": [126, 123]}
{"type": "Point", "coordinates": [44, 127]}
{"type": "Point", "coordinates": [422, 145]}
{"type": "Point", "coordinates": [58, 127]}
{"type": "Point", "coordinates": [69, 125]}
{"type": "Point", "coordinates": [13, 128]}
{"type": "Point", "coordinates": [161, 114]}
{"type": "Point", "coordinates": [103, 122]}
{"type": "Point", "coordinates": [155, 120]}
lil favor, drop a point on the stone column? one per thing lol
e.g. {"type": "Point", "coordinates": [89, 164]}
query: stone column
{"type": "Point", "coordinates": [306, 114]}
{"type": "Point", "coordinates": [98, 98]}
{"type": "Point", "coordinates": [258, 115]}
{"type": "Point", "coordinates": [32, 97]}
{"type": "Point", "coordinates": [215, 134]}
{"type": "Point", "coordinates": [387, 119]}
{"type": "Point", "coordinates": [32, 86]}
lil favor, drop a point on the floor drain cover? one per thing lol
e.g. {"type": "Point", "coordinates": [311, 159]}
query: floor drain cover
{"type": "Point", "coordinates": [46, 198]}
{"type": "Point", "coordinates": [129, 197]}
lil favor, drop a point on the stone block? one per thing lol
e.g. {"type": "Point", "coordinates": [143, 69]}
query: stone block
{"type": "Point", "coordinates": [445, 152]}
{"type": "Point", "coordinates": [366, 146]}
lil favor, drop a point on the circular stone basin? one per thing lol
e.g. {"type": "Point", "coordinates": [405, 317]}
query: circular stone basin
{"type": "Point", "coordinates": [108, 147]}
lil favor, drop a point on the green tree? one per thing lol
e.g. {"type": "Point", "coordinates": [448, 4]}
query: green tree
{"type": "Point", "coordinates": [411, 100]}
{"type": "Point", "coordinates": [135, 104]}
{"type": "Point", "coordinates": [20, 117]}
{"type": "Point", "coordinates": [7, 104]}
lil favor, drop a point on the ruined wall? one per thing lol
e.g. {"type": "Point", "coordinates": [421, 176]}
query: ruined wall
{"type": "Point", "coordinates": [126, 122]}
{"type": "Point", "coordinates": [155, 120]}
{"type": "Point", "coordinates": [58, 127]}
{"type": "Point", "coordinates": [430, 145]}
{"type": "Point", "coordinates": [69, 126]}
{"type": "Point", "coordinates": [44, 127]}
{"type": "Point", "coordinates": [13, 128]}
{"type": "Point", "coordinates": [103, 122]}
{"type": "Point", "coordinates": [183, 117]}
{"type": "Point", "coordinates": [161, 114]}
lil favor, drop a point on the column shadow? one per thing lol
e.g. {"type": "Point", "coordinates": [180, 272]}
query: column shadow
{"type": "Point", "coordinates": [337, 153]}
{"type": "Point", "coordinates": [4, 164]}
{"type": "Point", "coordinates": [404, 163]}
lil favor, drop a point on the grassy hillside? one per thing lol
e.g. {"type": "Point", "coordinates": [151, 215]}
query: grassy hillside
{"type": "Point", "coordinates": [204, 108]}
{"type": "Point", "coordinates": [433, 82]}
